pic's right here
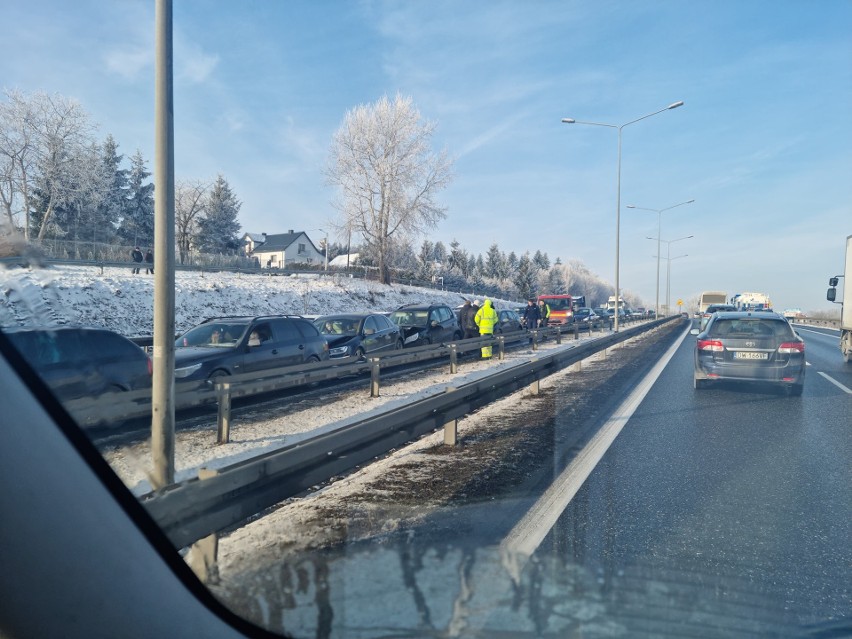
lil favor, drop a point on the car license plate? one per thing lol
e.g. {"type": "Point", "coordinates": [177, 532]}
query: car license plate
{"type": "Point", "coordinates": [750, 355]}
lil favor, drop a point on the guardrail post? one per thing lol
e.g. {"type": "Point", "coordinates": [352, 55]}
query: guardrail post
{"type": "Point", "coordinates": [375, 369]}
{"type": "Point", "coordinates": [558, 335]}
{"type": "Point", "coordinates": [202, 555]}
{"type": "Point", "coordinates": [535, 340]}
{"type": "Point", "coordinates": [451, 428]}
{"type": "Point", "coordinates": [223, 422]}
{"type": "Point", "coordinates": [454, 361]}
{"type": "Point", "coordinates": [576, 331]}
{"type": "Point", "coordinates": [534, 388]}
{"type": "Point", "coordinates": [501, 347]}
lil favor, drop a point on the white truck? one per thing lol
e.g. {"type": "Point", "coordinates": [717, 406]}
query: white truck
{"type": "Point", "coordinates": [846, 311]}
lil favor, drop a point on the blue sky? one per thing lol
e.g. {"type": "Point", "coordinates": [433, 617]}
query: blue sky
{"type": "Point", "coordinates": [763, 142]}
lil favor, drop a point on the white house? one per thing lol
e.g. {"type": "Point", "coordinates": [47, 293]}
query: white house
{"type": "Point", "coordinates": [282, 250]}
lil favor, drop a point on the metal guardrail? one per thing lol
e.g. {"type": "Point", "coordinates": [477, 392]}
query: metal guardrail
{"type": "Point", "coordinates": [115, 408]}
{"type": "Point", "coordinates": [194, 509]}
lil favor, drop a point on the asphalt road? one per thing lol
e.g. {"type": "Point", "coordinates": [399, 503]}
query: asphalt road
{"type": "Point", "coordinates": [722, 512]}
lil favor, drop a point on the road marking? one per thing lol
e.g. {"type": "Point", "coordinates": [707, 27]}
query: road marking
{"type": "Point", "coordinates": [807, 330]}
{"type": "Point", "coordinates": [527, 535]}
{"type": "Point", "coordinates": [836, 383]}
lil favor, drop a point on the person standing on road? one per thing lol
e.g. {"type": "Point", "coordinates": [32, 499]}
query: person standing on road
{"type": "Point", "coordinates": [486, 318]}
{"type": "Point", "coordinates": [136, 256]}
{"type": "Point", "coordinates": [531, 315]}
{"type": "Point", "coordinates": [149, 259]}
{"type": "Point", "coordinates": [544, 312]}
{"type": "Point", "coordinates": [468, 322]}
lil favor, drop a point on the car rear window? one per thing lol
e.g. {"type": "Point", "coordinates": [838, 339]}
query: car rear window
{"type": "Point", "coordinates": [307, 329]}
{"type": "Point", "coordinates": [750, 327]}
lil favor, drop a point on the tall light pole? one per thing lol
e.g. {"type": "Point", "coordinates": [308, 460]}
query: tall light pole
{"type": "Point", "coordinates": [659, 213]}
{"type": "Point", "coordinates": [619, 127]}
{"type": "Point", "coordinates": [669, 265]}
{"type": "Point", "coordinates": [326, 245]}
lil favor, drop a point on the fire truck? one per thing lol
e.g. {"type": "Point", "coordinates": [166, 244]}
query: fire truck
{"type": "Point", "coordinates": [562, 307]}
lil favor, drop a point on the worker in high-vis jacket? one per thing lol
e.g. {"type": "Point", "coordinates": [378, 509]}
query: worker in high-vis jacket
{"type": "Point", "coordinates": [486, 318]}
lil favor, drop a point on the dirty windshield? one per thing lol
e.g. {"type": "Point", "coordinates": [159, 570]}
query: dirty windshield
{"type": "Point", "coordinates": [400, 174]}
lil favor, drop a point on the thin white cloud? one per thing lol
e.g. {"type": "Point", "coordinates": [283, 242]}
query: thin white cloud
{"type": "Point", "coordinates": [192, 64]}
{"type": "Point", "coordinates": [129, 63]}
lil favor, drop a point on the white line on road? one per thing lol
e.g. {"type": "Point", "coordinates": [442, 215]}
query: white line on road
{"type": "Point", "coordinates": [836, 383]}
{"type": "Point", "coordinates": [807, 330]}
{"type": "Point", "coordinates": [527, 535]}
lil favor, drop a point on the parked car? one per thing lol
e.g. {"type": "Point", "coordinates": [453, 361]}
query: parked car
{"type": "Point", "coordinates": [83, 362]}
{"type": "Point", "coordinates": [358, 334]}
{"type": "Point", "coordinates": [714, 308]}
{"type": "Point", "coordinates": [749, 347]}
{"type": "Point", "coordinates": [426, 324]}
{"type": "Point", "coordinates": [508, 321]}
{"type": "Point", "coordinates": [232, 345]}
{"type": "Point", "coordinates": [586, 319]}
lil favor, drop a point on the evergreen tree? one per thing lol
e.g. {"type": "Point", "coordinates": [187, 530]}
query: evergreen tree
{"type": "Point", "coordinates": [137, 226]}
{"type": "Point", "coordinates": [541, 261]}
{"type": "Point", "coordinates": [471, 266]}
{"type": "Point", "coordinates": [457, 259]}
{"type": "Point", "coordinates": [108, 214]}
{"type": "Point", "coordinates": [218, 229]}
{"type": "Point", "coordinates": [439, 253]}
{"type": "Point", "coordinates": [556, 282]}
{"type": "Point", "coordinates": [480, 266]}
{"type": "Point", "coordinates": [525, 277]}
{"type": "Point", "coordinates": [512, 261]}
{"type": "Point", "coordinates": [424, 258]}
{"type": "Point", "coordinates": [494, 262]}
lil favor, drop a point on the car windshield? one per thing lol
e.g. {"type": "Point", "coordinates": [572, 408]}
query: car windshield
{"type": "Point", "coordinates": [409, 318]}
{"type": "Point", "coordinates": [338, 326]}
{"type": "Point", "coordinates": [290, 212]}
{"type": "Point", "coordinates": [219, 334]}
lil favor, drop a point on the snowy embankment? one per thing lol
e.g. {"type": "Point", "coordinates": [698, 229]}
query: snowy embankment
{"type": "Point", "coordinates": [118, 300]}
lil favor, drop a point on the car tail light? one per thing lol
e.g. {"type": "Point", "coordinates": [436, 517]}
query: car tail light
{"type": "Point", "coordinates": [713, 345]}
{"type": "Point", "coordinates": [150, 366]}
{"type": "Point", "coordinates": [792, 347]}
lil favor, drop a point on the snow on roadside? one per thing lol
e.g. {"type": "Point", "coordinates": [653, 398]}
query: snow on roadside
{"type": "Point", "coordinates": [123, 302]}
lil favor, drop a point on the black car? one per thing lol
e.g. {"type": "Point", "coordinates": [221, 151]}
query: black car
{"type": "Point", "coordinates": [83, 362]}
{"type": "Point", "coordinates": [586, 319]}
{"type": "Point", "coordinates": [358, 334]}
{"type": "Point", "coordinates": [427, 324]}
{"type": "Point", "coordinates": [232, 345]}
{"type": "Point", "coordinates": [749, 347]}
{"type": "Point", "coordinates": [508, 321]}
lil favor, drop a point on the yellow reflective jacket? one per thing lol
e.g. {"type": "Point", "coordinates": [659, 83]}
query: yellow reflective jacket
{"type": "Point", "coordinates": [486, 318]}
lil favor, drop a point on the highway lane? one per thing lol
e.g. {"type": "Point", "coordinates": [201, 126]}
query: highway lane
{"type": "Point", "coordinates": [721, 512]}
{"type": "Point", "coordinates": [823, 355]}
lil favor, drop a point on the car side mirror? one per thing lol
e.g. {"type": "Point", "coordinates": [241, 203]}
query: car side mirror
{"type": "Point", "coordinates": [254, 341]}
{"type": "Point", "coordinates": [694, 331]}
{"type": "Point", "coordinates": [831, 294]}
{"type": "Point", "coordinates": [434, 323]}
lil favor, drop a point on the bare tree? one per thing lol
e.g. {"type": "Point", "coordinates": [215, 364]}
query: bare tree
{"type": "Point", "coordinates": [48, 146]}
{"type": "Point", "coordinates": [387, 174]}
{"type": "Point", "coordinates": [190, 199]}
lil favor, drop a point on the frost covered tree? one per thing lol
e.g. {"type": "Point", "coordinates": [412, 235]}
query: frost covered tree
{"type": "Point", "coordinates": [218, 227]}
{"type": "Point", "coordinates": [525, 277]}
{"type": "Point", "coordinates": [137, 226]}
{"type": "Point", "coordinates": [387, 175]}
{"type": "Point", "coordinates": [190, 199]}
{"type": "Point", "coordinates": [107, 216]}
{"type": "Point", "coordinates": [556, 282]}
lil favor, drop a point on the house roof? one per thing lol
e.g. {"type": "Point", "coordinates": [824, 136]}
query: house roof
{"type": "Point", "coordinates": [255, 237]}
{"type": "Point", "coordinates": [280, 242]}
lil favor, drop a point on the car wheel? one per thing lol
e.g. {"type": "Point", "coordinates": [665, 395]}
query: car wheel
{"type": "Point", "coordinates": [399, 345]}
{"type": "Point", "coordinates": [313, 359]}
{"type": "Point", "coordinates": [359, 353]}
{"type": "Point", "coordinates": [216, 374]}
{"type": "Point", "coordinates": [457, 337]}
{"type": "Point", "coordinates": [795, 390]}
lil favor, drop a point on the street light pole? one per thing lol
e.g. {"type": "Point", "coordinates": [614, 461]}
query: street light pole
{"type": "Point", "coordinates": [659, 213]}
{"type": "Point", "coordinates": [618, 192]}
{"type": "Point", "coordinates": [669, 264]}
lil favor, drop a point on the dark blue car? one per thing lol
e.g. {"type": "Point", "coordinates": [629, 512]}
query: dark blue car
{"type": "Point", "coordinates": [358, 334]}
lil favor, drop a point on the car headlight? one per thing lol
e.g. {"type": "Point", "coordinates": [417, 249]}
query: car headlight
{"type": "Point", "coordinates": [186, 371]}
{"type": "Point", "coordinates": [412, 338]}
{"type": "Point", "coordinates": [340, 350]}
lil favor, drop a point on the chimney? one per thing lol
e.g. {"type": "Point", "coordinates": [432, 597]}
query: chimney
{"type": "Point", "coordinates": [264, 236]}
{"type": "Point", "coordinates": [290, 231]}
